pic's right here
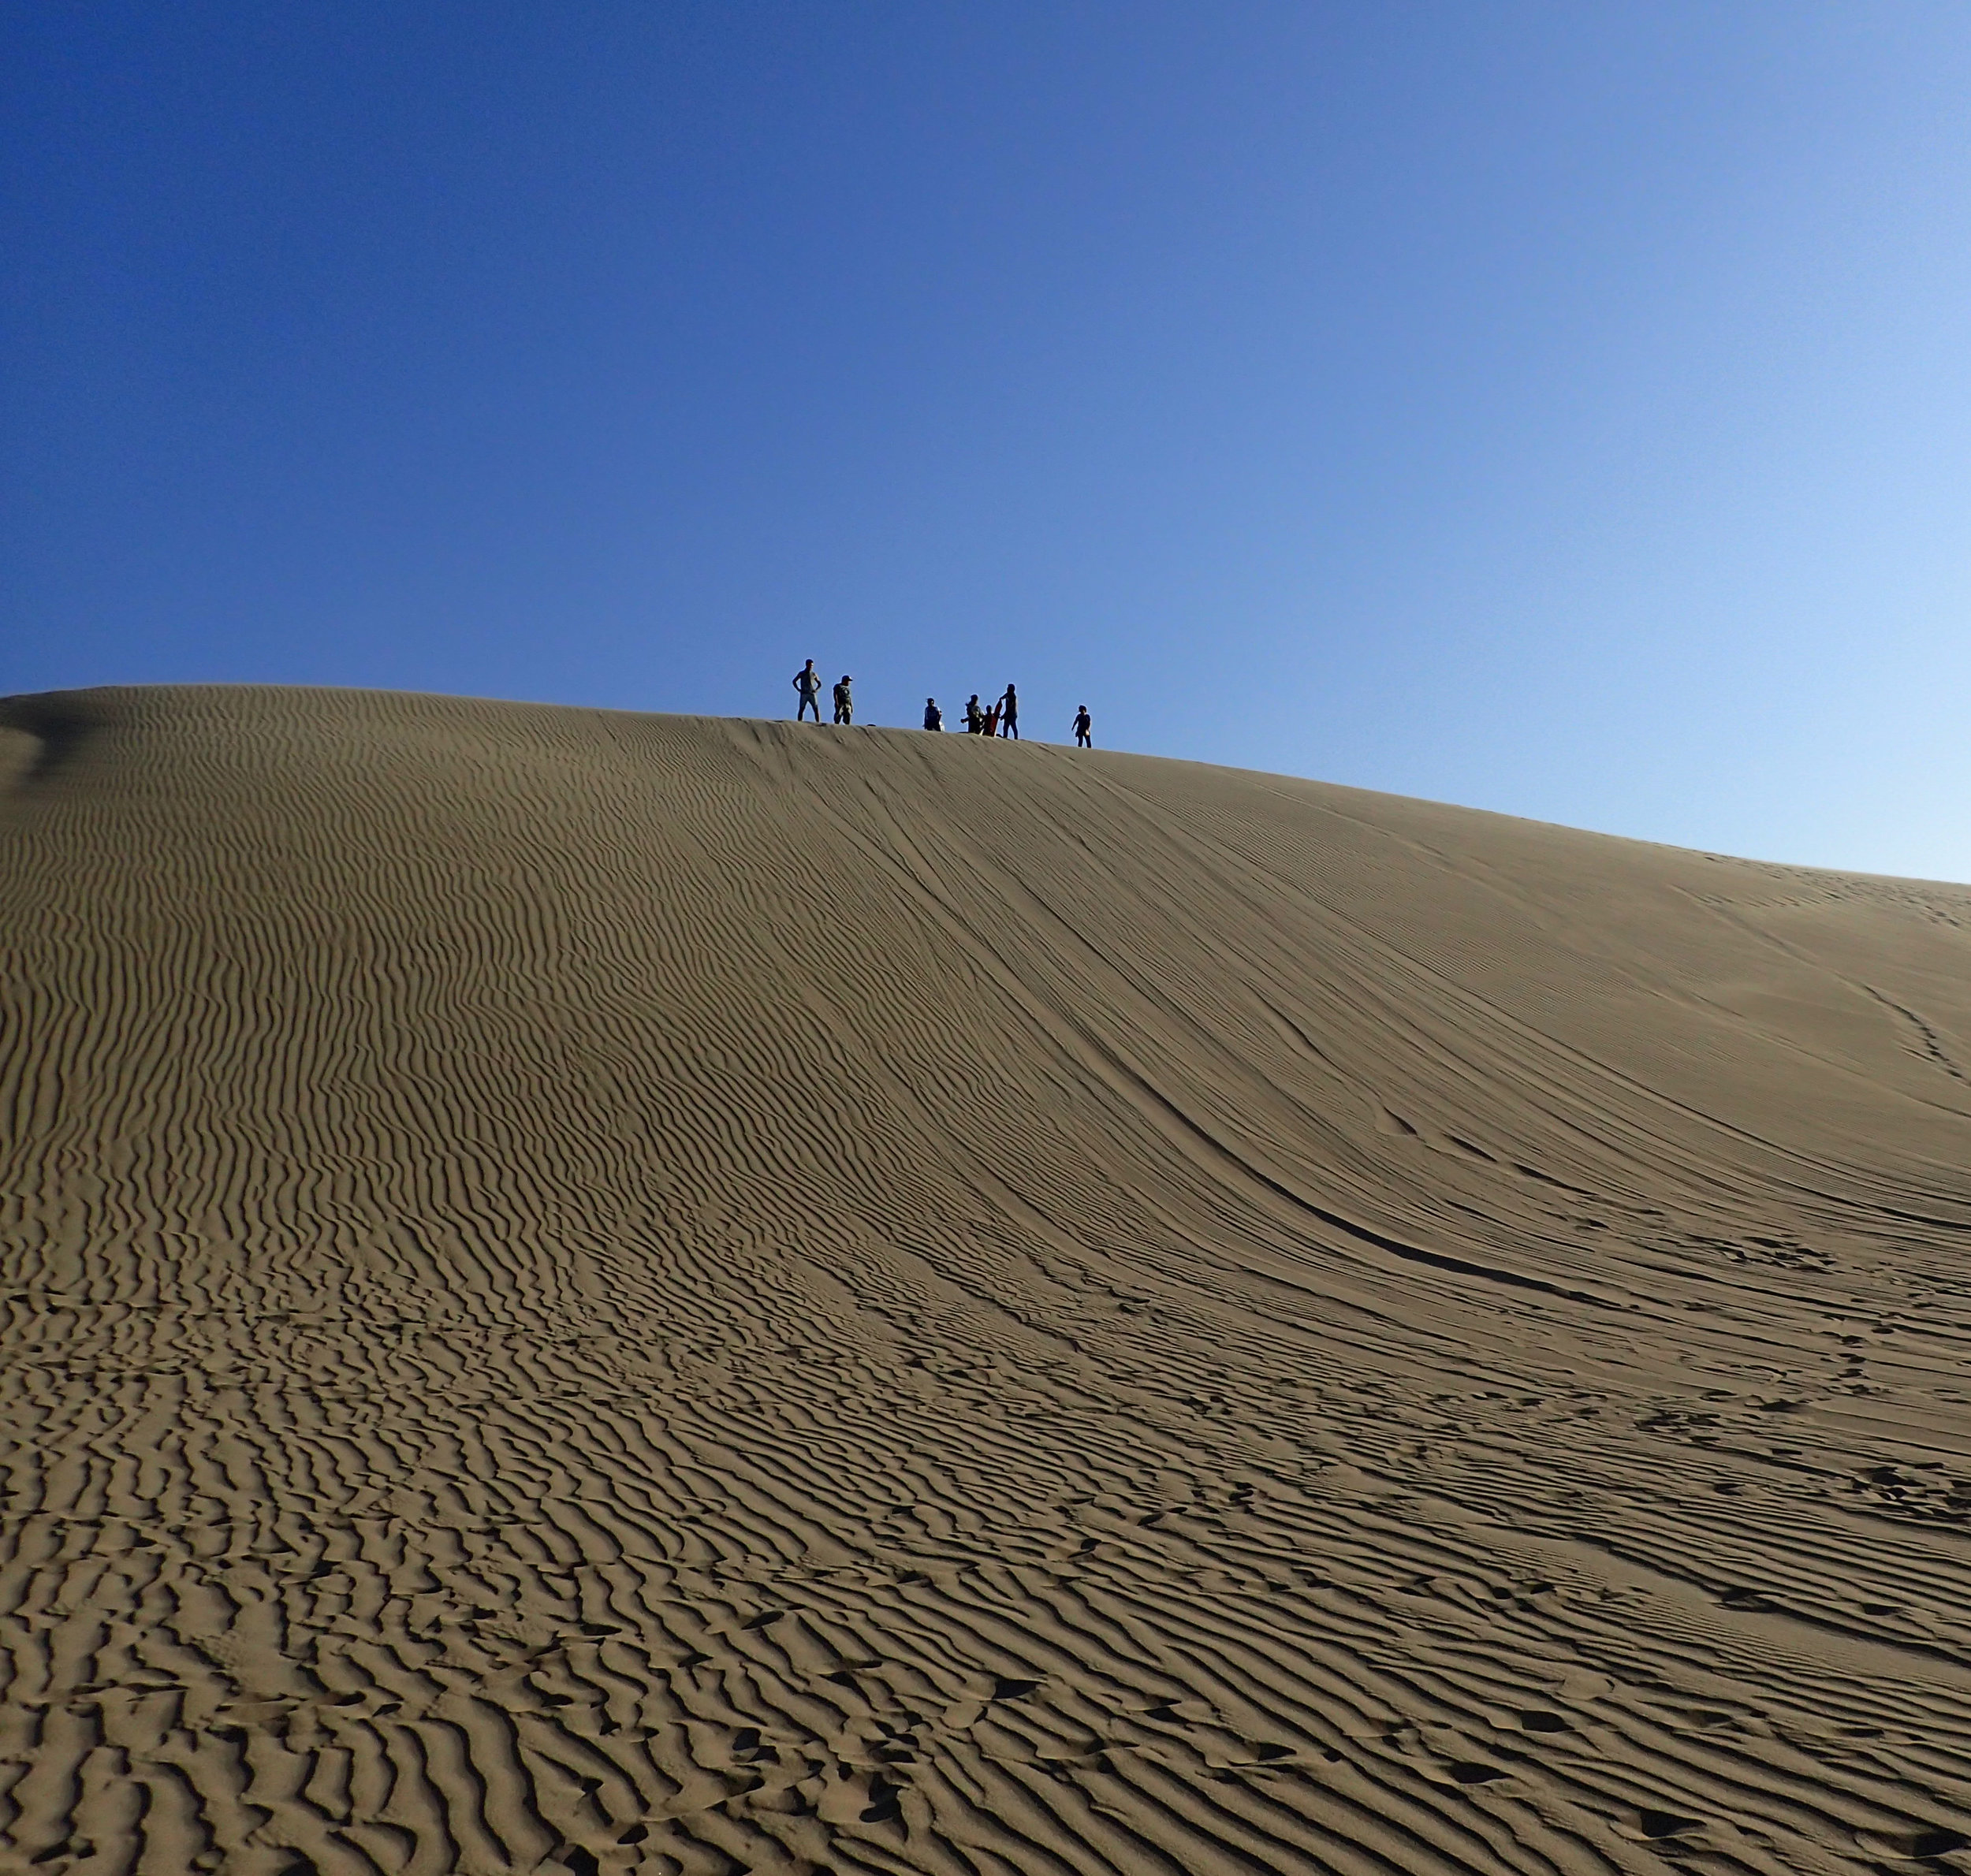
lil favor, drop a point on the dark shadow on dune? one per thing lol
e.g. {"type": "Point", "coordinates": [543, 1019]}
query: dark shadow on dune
{"type": "Point", "coordinates": [58, 724]}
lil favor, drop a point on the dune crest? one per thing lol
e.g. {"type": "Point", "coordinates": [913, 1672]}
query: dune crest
{"type": "Point", "coordinates": [588, 1292]}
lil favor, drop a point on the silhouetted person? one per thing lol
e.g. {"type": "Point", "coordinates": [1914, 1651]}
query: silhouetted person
{"type": "Point", "coordinates": [1084, 723]}
{"type": "Point", "coordinates": [992, 721]}
{"type": "Point", "coordinates": [1009, 714]}
{"type": "Point", "coordinates": [807, 680]}
{"type": "Point", "coordinates": [844, 703]}
{"type": "Point", "coordinates": [933, 716]}
{"type": "Point", "coordinates": [974, 717]}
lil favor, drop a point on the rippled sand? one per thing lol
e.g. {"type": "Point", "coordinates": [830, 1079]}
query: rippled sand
{"type": "Point", "coordinates": [585, 1292]}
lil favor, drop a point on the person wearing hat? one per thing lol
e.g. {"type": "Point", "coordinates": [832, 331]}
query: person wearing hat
{"type": "Point", "coordinates": [845, 704]}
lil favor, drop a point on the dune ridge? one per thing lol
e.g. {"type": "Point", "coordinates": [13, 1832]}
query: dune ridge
{"type": "Point", "coordinates": [593, 1292]}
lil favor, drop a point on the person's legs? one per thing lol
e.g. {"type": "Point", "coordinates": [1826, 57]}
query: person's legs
{"type": "Point", "coordinates": [807, 704]}
{"type": "Point", "coordinates": [1084, 741]}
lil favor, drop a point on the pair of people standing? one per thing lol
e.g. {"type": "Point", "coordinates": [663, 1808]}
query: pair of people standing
{"type": "Point", "coordinates": [807, 681]}
{"type": "Point", "coordinates": [1001, 720]}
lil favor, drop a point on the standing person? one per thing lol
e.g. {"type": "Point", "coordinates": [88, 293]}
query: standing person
{"type": "Point", "coordinates": [1084, 723]}
{"type": "Point", "coordinates": [974, 717]}
{"type": "Point", "coordinates": [807, 680]}
{"type": "Point", "coordinates": [1009, 714]}
{"type": "Point", "coordinates": [844, 703]}
{"type": "Point", "coordinates": [933, 716]}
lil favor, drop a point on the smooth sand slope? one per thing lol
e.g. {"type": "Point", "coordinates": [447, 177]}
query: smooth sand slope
{"type": "Point", "coordinates": [584, 1291]}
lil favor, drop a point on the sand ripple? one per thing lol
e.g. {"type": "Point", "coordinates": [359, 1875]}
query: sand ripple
{"type": "Point", "coordinates": [591, 1292]}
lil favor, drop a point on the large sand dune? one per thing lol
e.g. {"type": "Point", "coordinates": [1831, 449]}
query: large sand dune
{"type": "Point", "coordinates": [590, 1291]}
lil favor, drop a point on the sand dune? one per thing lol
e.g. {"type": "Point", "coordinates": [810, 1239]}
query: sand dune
{"type": "Point", "coordinates": [584, 1291]}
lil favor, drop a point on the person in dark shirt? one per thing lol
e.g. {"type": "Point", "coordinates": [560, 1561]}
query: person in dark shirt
{"type": "Point", "coordinates": [1009, 714]}
{"type": "Point", "coordinates": [1084, 723]}
{"type": "Point", "coordinates": [974, 716]}
{"type": "Point", "coordinates": [844, 703]}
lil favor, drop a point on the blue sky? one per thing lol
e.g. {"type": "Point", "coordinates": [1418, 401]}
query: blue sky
{"type": "Point", "coordinates": [1559, 409]}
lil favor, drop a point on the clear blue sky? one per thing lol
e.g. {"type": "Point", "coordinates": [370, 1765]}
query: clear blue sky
{"type": "Point", "coordinates": [1564, 409]}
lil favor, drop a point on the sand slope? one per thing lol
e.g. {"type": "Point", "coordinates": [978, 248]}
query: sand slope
{"type": "Point", "coordinates": [597, 1293]}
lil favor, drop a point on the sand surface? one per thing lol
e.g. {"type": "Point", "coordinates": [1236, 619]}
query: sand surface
{"type": "Point", "coordinates": [586, 1292]}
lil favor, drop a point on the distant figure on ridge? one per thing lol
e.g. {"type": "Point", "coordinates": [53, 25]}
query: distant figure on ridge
{"type": "Point", "coordinates": [992, 721]}
{"type": "Point", "coordinates": [974, 717]}
{"type": "Point", "coordinates": [1084, 723]}
{"type": "Point", "coordinates": [807, 680]}
{"type": "Point", "coordinates": [844, 703]}
{"type": "Point", "coordinates": [933, 716]}
{"type": "Point", "coordinates": [1009, 714]}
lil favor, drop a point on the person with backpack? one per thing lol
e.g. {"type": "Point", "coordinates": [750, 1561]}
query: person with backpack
{"type": "Point", "coordinates": [974, 716]}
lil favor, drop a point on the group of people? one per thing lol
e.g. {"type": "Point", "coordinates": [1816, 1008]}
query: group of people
{"type": "Point", "coordinates": [999, 719]}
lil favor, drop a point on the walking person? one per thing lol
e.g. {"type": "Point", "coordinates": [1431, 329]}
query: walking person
{"type": "Point", "coordinates": [807, 680]}
{"type": "Point", "coordinates": [933, 716]}
{"type": "Point", "coordinates": [1083, 724]}
{"type": "Point", "coordinates": [1009, 714]}
{"type": "Point", "coordinates": [974, 716]}
{"type": "Point", "coordinates": [844, 703]}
